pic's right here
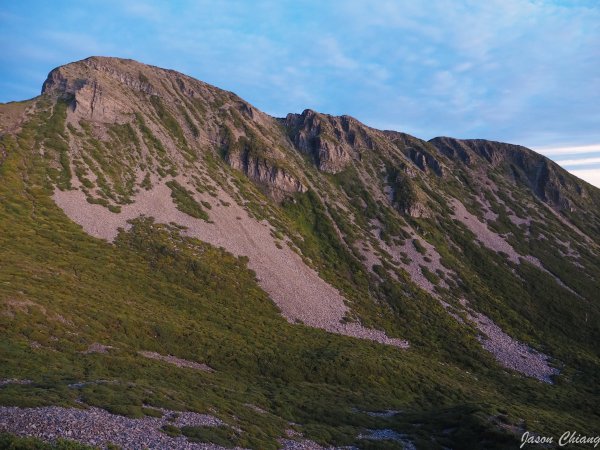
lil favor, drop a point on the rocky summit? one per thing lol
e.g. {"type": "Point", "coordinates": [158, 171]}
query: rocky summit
{"type": "Point", "coordinates": [181, 270]}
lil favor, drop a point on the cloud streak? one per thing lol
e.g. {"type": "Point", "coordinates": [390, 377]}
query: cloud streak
{"type": "Point", "coordinates": [579, 162]}
{"type": "Point", "coordinates": [592, 176]}
{"type": "Point", "coordinates": [569, 150]}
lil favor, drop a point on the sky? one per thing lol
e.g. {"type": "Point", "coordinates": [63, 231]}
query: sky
{"type": "Point", "coordinates": [519, 71]}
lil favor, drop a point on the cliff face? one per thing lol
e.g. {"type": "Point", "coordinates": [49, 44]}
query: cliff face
{"type": "Point", "coordinates": [183, 113]}
{"type": "Point", "coordinates": [331, 142]}
{"type": "Point", "coordinates": [277, 181]}
{"type": "Point", "coordinates": [548, 181]}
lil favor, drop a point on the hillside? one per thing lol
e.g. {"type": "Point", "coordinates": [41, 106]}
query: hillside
{"type": "Point", "coordinates": [178, 263]}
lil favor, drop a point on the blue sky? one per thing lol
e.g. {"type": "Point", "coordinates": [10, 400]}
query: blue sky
{"type": "Point", "coordinates": [519, 71]}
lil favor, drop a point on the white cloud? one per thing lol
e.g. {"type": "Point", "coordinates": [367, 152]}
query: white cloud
{"type": "Point", "coordinates": [333, 54]}
{"type": "Point", "coordinates": [578, 162]}
{"type": "Point", "coordinates": [592, 176]}
{"type": "Point", "coordinates": [568, 150]}
{"type": "Point", "coordinates": [142, 10]}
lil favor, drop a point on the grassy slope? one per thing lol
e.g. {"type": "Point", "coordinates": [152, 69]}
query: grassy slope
{"type": "Point", "coordinates": [155, 290]}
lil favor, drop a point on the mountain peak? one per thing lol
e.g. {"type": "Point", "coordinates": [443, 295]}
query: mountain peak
{"type": "Point", "coordinates": [70, 77]}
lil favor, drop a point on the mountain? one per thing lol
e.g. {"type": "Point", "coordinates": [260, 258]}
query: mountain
{"type": "Point", "coordinates": [181, 268]}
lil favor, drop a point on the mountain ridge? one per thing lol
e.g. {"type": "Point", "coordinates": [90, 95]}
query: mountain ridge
{"type": "Point", "coordinates": [478, 255]}
{"type": "Point", "coordinates": [104, 63]}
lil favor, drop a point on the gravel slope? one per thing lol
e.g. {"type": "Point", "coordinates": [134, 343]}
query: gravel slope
{"type": "Point", "coordinates": [97, 427]}
{"type": "Point", "coordinates": [296, 289]}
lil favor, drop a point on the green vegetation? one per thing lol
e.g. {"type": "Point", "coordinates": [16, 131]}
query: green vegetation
{"type": "Point", "coordinates": [216, 435]}
{"type": "Point", "coordinates": [185, 201]}
{"type": "Point", "coordinates": [143, 78]}
{"type": "Point", "coordinates": [419, 247]}
{"type": "Point", "coordinates": [189, 122]}
{"type": "Point", "coordinates": [432, 277]}
{"type": "Point", "coordinates": [404, 193]}
{"type": "Point", "coordinates": [55, 143]}
{"type": "Point", "coordinates": [172, 126]}
{"type": "Point", "coordinates": [146, 182]}
{"type": "Point", "coordinates": [320, 242]}
{"type": "Point", "coordinates": [11, 442]}
{"type": "Point", "coordinates": [367, 208]}
{"type": "Point", "coordinates": [155, 147]}
{"type": "Point", "coordinates": [171, 430]}
{"type": "Point", "coordinates": [110, 161]}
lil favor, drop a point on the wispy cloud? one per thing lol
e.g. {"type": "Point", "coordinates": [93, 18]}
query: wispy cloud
{"type": "Point", "coordinates": [568, 150]}
{"type": "Point", "coordinates": [592, 176]}
{"type": "Point", "coordinates": [581, 160]}
{"type": "Point", "coordinates": [578, 162]}
{"type": "Point", "coordinates": [142, 10]}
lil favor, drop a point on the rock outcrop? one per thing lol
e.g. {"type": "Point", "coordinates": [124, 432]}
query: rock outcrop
{"type": "Point", "coordinates": [185, 114]}
{"type": "Point", "coordinates": [546, 179]}
{"type": "Point", "coordinates": [265, 172]}
{"type": "Point", "coordinates": [331, 142]}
